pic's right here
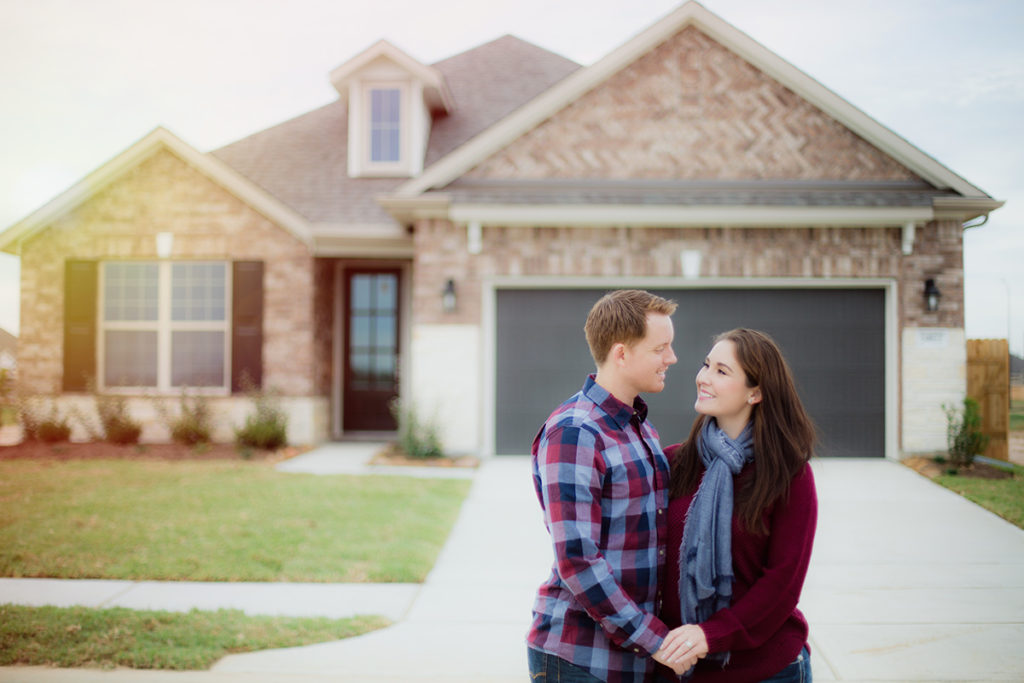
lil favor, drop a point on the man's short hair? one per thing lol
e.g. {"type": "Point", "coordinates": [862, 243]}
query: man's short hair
{"type": "Point", "coordinates": [621, 316]}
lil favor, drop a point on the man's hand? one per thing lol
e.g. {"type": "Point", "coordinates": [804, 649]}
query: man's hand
{"type": "Point", "coordinates": [682, 648]}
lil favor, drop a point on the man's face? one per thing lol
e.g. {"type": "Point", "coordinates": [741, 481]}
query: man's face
{"type": "Point", "coordinates": [647, 361]}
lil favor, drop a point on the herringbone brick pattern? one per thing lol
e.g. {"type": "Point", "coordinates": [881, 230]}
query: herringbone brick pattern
{"type": "Point", "coordinates": [691, 109]}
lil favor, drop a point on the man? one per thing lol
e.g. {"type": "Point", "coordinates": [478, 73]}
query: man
{"type": "Point", "coordinates": [602, 481]}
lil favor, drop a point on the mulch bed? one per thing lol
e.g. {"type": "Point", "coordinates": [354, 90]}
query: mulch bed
{"type": "Point", "coordinates": [931, 469]}
{"type": "Point", "coordinates": [392, 455]}
{"type": "Point", "coordinates": [95, 450]}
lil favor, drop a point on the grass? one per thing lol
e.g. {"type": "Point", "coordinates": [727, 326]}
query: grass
{"type": "Point", "coordinates": [1005, 497]}
{"type": "Point", "coordinates": [218, 521]}
{"type": "Point", "coordinates": [1016, 415]}
{"type": "Point", "coordinates": [108, 638]}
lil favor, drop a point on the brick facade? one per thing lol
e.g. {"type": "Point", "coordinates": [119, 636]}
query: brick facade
{"type": "Point", "coordinates": [165, 194]}
{"type": "Point", "coordinates": [691, 109]}
{"type": "Point", "coordinates": [441, 253]}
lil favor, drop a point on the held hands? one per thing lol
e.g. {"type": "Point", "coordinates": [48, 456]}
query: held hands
{"type": "Point", "coordinates": [682, 648]}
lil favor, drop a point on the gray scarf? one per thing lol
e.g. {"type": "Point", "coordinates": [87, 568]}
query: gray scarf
{"type": "Point", "coordinates": [705, 556]}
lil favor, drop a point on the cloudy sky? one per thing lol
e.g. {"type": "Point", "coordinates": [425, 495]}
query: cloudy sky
{"type": "Point", "coordinates": [81, 80]}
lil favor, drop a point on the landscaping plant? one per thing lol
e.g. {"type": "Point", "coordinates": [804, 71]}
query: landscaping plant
{"type": "Point", "coordinates": [963, 433]}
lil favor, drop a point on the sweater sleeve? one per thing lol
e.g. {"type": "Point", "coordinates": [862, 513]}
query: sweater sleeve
{"type": "Point", "coordinates": [773, 596]}
{"type": "Point", "coordinates": [570, 470]}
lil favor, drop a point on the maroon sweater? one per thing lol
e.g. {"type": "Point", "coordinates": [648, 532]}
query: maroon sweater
{"type": "Point", "coordinates": [762, 628]}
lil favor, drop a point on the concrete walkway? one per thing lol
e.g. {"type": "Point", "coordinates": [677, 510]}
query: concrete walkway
{"type": "Point", "coordinates": [909, 582]}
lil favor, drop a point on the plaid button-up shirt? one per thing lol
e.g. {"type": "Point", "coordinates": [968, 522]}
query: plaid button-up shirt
{"type": "Point", "coordinates": [602, 481]}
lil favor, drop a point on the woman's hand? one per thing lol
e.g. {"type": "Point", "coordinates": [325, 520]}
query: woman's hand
{"type": "Point", "coordinates": [682, 648]}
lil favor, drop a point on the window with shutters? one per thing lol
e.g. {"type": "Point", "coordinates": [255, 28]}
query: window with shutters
{"type": "Point", "coordinates": [165, 326]}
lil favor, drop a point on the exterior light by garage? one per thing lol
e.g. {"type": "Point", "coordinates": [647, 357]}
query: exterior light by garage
{"type": "Point", "coordinates": [931, 295]}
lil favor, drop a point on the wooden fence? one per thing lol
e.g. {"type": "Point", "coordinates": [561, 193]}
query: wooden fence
{"type": "Point", "coordinates": [988, 383]}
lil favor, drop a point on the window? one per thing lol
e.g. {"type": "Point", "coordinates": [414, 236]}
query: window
{"type": "Point", "coordinates": [165, 326]}
{"type": "Point", "coordinates": [385, 125]}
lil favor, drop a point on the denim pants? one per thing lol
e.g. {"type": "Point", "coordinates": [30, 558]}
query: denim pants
{"type": "Point", "coordinates": [797, 672]}
{"type": "Point", "coordinates": [545, 668]}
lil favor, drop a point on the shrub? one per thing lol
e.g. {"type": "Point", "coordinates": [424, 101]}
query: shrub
{"type": "Point", "coordinates": [49, 427]}
{"type": "Point", "coordinates": [963, 433]}
{"type": "Point", "coordinates": [417, 439]}
{"type": "Point", "coordinates": [118, 426]}
{"type": "Point", "coordinates": [192, 425]}
{"type": "Point", "coordinates": [267, 429]}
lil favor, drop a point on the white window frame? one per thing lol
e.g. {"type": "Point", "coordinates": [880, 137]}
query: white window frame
{"type": "Point", "coordinates": [385, 168]}
{"type": "Point", "coordinates": [164, 326]}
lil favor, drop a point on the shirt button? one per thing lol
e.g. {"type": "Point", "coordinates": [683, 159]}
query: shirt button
{"type": "Point", "coordinates": [636, 650]}
{"type": "Point", "coordinates": [661, 552]}
{"type": "Point", "coordinates": [660, 511]}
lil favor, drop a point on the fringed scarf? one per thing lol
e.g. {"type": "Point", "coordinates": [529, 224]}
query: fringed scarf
{"type": "Point", "coordinates": [705, 556]}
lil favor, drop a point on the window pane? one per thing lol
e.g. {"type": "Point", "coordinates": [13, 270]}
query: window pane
{"type": "Point", "coordinates": [361, 292]}
{"type": "Point", "coordinates": [198, 291]}
{"type": "Point", "coordinates": [130, 291]}
{"type": "Point", "coordinates": [387, 285]}
{"type": "Point", "coordinates": [129, 359]}
{"type": "Point", "coordinates": [385, 124]}
{"type": "Point", "coordinates": [197, 359]}
{"type": "Point", "coordinates": [360, 331]}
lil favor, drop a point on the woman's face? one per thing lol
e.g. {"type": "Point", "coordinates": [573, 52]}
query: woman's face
{"type": "Point", "coordinates": [722, 390]}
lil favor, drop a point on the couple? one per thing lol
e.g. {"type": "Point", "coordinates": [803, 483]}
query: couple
{"type": "Point", "coordinates": [687, 562]}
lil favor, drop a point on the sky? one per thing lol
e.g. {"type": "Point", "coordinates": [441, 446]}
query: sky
{"type": "Point", "coordinates": [82, 80]}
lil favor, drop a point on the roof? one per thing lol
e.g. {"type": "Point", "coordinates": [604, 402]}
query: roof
{"type": "Point", "coordinates": [108, 173]}
{"type": "Point", "coordinates": [292, 161]}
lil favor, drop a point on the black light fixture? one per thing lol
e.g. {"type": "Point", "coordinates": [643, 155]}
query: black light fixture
{"type": "Point", "coordinates": [931, 295]}
{"type": "Point", "coordinates": [448, 300]}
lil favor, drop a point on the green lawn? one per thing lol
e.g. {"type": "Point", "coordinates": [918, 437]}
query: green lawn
{"type": "Point", "coordinates": [108, 638]}
{"type": "Point", "coordinates": [1016, 415]}
{"type": "Point", "coordinates": [1005, 497]}
{"type": "Point", "coordinates": [218, 521]}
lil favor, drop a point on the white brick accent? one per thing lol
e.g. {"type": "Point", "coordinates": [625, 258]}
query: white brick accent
{"type": "Point", "coordinates": [934, 374]}
{"type": "Point", "coordinates": [445, 383]}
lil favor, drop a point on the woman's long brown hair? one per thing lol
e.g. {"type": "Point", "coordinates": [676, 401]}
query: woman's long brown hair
{"type": "Point", "coordinates": [784, 434]}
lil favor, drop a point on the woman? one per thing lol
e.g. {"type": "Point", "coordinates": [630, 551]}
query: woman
{"type": "Point", "coordinates": [742, 513]}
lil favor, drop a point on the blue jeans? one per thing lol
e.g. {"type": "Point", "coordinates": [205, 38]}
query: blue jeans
{"type": "Point", "coordinates": [797, 672]}
{"type": "Point", "coordinates": [546, 668]}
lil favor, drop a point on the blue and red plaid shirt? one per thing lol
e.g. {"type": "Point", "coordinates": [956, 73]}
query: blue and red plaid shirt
{"type": "Point", "coordinates": [602, 481]}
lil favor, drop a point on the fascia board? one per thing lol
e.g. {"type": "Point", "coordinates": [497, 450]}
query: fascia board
{"type": "Point", "coordinates": [674, 216]}
{"type": "Point", "coordinates": [428, 75]}
{"type": "Point", "coordinates": [574, 86]}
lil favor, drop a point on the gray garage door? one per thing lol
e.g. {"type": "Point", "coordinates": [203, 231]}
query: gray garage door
{"type": "Point", "coordinates": [832, 339]}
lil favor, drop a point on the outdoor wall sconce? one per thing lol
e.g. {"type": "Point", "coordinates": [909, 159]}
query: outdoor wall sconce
{"type": "Point", "coordinates": [448, 300]}
{"type": "Point", "coordinates": [931, 295]}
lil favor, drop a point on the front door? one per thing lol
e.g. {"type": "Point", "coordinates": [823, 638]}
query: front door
{"type": "Point", "coordinates": [371, 349]}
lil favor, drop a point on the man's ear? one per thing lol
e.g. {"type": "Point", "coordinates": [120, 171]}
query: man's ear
{"type": "Point", "coordinates": [617, 353]}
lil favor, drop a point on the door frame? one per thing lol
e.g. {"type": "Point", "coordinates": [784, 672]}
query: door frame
{"type": "Point", "coordinates": [341, 267]}
{"type": "Point", "coordinates": [489, 322]}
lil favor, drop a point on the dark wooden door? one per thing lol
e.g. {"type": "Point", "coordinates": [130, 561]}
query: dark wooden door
{"type": "Point", "coordinates": [371, 349]}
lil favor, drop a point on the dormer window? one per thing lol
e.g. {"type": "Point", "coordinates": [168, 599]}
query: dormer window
{"type": "Point", "coordinates": [385, 125]}
{"type": "Point", "coordinates": [392, 100]}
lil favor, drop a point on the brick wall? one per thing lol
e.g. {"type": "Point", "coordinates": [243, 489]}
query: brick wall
{"type": "Point", "coordinates": [164, 194]}
{"type": "Point", "coordinates": [691, 109]}
{"type": "Point", "coordinates": [441, 253]}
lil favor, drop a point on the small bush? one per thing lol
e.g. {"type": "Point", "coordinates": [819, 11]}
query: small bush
{"type": "Point", "coordinates": [118, 426]}
{"type": "Point", "coordinates": [417, 439]}
{"type": "Point", "coordinates": [192, 425]}
{"type": "Point", "coordinates": [267, 428]}
{"type": "Point", "coordinates": [48, 427]}
{"type": "Point", "coordinates": [963, 433]}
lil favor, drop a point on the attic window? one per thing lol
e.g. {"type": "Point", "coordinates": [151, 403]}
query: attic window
{"type": "Point", "coordinates": [385, 125]}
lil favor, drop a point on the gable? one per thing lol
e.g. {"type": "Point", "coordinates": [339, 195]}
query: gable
{"type": "Point", "coordinates": [690, 109]}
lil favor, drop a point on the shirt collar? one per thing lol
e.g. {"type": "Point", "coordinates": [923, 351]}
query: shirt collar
{"type": "Point", "coordinates": [618, 411]}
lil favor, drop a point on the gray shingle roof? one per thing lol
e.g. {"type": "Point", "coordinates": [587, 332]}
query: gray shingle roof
{"type": "Point", "coordinates": [696, 193]}
{"type": "Point", "coordinates": [303, 162]}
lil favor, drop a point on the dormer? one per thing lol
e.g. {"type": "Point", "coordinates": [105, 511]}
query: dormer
{"type": "Point", "coordinates": [391, 102]}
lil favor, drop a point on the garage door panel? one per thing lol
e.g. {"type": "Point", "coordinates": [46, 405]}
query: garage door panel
{"type": "Point", "coordinates": [832, 339]}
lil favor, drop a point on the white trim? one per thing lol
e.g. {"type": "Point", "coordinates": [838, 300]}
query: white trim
{"type": "Point", "coordinates": [599, 215]}
{"type": "Point", "coordinates": [160, 138]}
{"type": "Point", "coordinates": [488, 320]}
{"type": "Point", "coordinates": [342, 76]}
{"type": "Point", "coordinates": [577, 84]}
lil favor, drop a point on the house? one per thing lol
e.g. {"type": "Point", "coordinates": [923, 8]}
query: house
{"type": "Point", "coordinates": [8, 353]}
{"type": "Point", "coordinates": [439, 232]}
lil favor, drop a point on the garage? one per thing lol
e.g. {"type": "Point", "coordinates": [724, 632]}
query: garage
{"type": "Point", "coordinates": [833, 339]}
